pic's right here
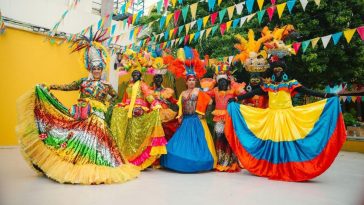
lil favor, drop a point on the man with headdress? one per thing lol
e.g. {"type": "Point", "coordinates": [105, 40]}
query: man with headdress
{"type": "Point", "coordinates": [191, 148]}
{"type": "Point", "coordinates": [74, 146]}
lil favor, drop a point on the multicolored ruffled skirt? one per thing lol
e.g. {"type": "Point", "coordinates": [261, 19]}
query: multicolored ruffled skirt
{"type": "Point", "coordinates": [226, 159]}
{"type": "Point", "coordinates": [191, 148]}
{"type": "Point", "coordinates": [292, 144]}
{"type": "Point", "coordinates": [140, 139]}
{"type": "Point", "coordinates": [65, 149]}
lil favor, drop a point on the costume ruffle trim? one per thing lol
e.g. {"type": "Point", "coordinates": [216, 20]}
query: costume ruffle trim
{"type": "Point", "coordinates": [155, 148]}
{"type": "Point", "coordinates": [232, 168]}
{"type": "Point", "coordinates": [52, 165]}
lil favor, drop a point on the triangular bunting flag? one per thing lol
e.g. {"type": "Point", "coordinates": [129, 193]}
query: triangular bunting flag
{"type": "Point", "coordinates": [177, 13]}
{"type": "Point", "coordinates": [156, 37]}
{"type": "Point", "coordinates": [235, 23]}
{"type": "Point", "coordinates": [172, 42]}
{"type": "Point", "coordinates": [317, 2]}
{"type": "Point", "coordinates": [134, 17]}
{"type": "Point", "coordinates": [360, 31]}
{"type": "Point", "coordinates": [113, 29]}
{"type": "Point", "coordinates": [140, 13]}
{"type": "Point", "coordinates": [124, 23]}
{"type": "Point", "coordinates": [305, 45]}
{"type": "Point", "coordinates": [201, 34]}
{"type": "Point", "coordinates": [99, 24]}
{"type": "Point", "coordinates": [213, 18]}
{"type": "Point", "coordinates": [127, 6]}
{"type": "Point", "coordinates": [325, 40]}
{"type": "Point", "coordinates": [131, 34]}
{"type": "Point", "coordinates": [180, 41]}
{"type": "Point", "coordinates": [273, 1]}
{"type": "Point", "coordinates": [239, 8]}
{"type": "Point", "coordinates": [249, 5]}
{"type": "Point", "coordinates": [270, 12]}
{"type": "Point", "coordinates": [171, 33]}
{"type": "Point", "coordinates": [211, 4]}
{"type": "Point", "coordinates": [219, 2]}
{"type": "Point", "coordinates": [122, 9]}
{"type": "Point", "coordinates": [192, 24]}
{"type": "Point", "coordinates": [205, 19]}
{"type": "Point", "coordinates": [228, 25]}
{"type": "Point", "coordinates": [180, 30]}
{"type": "Point", "coordinates": [166, 33]}
{"type": "Point", "coordinates": [296, 46]}
{"type": "Point", "coordinates": [280, 9]}
{"type": "Point", "coordinates": [187, 27]}
{"type": "Point", "coordinates": [173, 3]}
{"type": "Point", "coordinates": [222, 28]}
{"type": "Point", "coordinates": [260, 4]}
{"type": "Point", "coordinates": [314, 42]}
{"type": "Point", "coordinates": [242, 20]}
{"type": "Point", "coordinates": [208, 31]}
{"type": "Point", "coordinates": [169, 16]}
{"type": "Point", "coordinates": [304, 4]}
{"type": "Point", "coordinates": [290, 5]}
{"type": "Point", "coordinates": [214, 29]}
{"type": "Point", "coordinates": [180, 1]}
{"type": "Point", "coordinates": [230, 11]}
{"type": "Point", "coordinates": [336, 37]}
{"type": "Point", "coordinates": [248, 18]}
{"type": "Point", "coordinates": [348, 99]}
{"type": "Point", "coordinates": [222, 14]}
{"type": "Point", "coordinates": [199, 24]}
{"type": "Point", "coordinates": [116, 39]}
{"type": "Point", "coordinates": [186, 39]}
{"type": "Point", "coordinates": [191, 37]}
{"type": "Point", "coordinates": [165, 4]}
{"type": "Point", "coordinates": [197, 35]}
{"type": "Point", "coordinates": [260, 15]}
{"type": "Point", "coordinates": [184, 13]}
{"type": "Point", "coordinates": [349, 34]}
{"type": "Point", "coordinates": [193, 8]}
{"type": "Point", "coordinates": [162, 21]}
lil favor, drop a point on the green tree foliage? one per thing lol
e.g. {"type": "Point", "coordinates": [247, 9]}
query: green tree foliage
{"type": "Point", "coordinates": [314, 68]}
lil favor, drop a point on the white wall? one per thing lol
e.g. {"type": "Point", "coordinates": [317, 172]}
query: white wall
{"type": "Point", "coordinates": [46, 13]}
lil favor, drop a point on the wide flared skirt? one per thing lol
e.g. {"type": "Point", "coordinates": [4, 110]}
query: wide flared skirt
{"type": "Point", "coordinates": [140, 139]}
{"type": "Point", "coordinates": [292, 144]}
{"type": "Point", "coordinates": [191, 148]}
{"type": "Point", "coordinates": [65, 149]}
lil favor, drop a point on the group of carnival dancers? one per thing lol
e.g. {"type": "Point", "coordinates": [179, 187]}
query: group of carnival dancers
{"type": "Point", "coordinates": [255, 125]}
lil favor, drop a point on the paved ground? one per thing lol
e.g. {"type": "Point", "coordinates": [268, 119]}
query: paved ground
{"type": "Point", "coordinates": [343, 183]}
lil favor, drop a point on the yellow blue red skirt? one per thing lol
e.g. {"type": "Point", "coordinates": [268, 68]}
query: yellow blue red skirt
{"type": "Point", "coordinates": [291, 144]}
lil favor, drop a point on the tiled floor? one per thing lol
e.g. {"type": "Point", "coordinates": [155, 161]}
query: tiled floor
{"type": "Point", "coordinates": [343, 183]}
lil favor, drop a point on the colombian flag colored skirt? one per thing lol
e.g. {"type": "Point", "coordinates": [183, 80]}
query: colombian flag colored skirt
{"type": "Point", "coordinates": [291, 144]}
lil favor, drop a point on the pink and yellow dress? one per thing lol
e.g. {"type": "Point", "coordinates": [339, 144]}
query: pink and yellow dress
{"type": "Point", "coordinates": [73, 146]}
{"type": "Point", "coordinates": [136, 126]}
{"type": "Point", "coordinates": [168, 116]}
{"type": "Point", "coordinates": [284, 142]}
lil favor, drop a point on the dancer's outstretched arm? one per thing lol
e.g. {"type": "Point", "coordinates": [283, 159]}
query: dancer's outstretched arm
{"type": "Point", "coordinates": [310, 92]}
